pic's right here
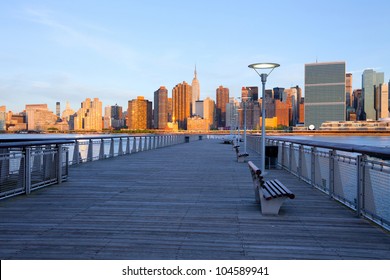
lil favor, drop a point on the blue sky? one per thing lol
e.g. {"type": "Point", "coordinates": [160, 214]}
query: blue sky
{"type": "Point", "coordinates": [116, 50]}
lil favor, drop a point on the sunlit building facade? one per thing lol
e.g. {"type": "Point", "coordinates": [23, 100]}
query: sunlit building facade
{"type": "Point", "coordinates": [139, 113]}
{"type": "Point", "coordinates": [195, 93]}
{"type": "Point", "coordinates": [181, 104]}
{"type": "Point", "coordinates": [89, 116]}
{"type": "Point", "coordinates": [39, 117]}
{"type": "Point", "coordinates": [161, 108]}
{"type": "Point", "coordinates": [222, 94]}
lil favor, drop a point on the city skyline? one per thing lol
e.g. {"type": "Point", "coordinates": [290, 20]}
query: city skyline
{"type": "Point", "coordinates": [54, 51]}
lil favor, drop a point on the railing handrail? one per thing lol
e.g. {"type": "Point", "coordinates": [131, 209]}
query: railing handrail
{"type": "Point", "coordinates": [377, 152]}
{"type": "Point", "coordinates": [39, 142]}
{"type": "Point", "coordinates": [5, 140]}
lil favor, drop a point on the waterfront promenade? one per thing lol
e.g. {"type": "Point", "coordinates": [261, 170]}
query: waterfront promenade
{"type": "Point", "coordinates": [188, 201]}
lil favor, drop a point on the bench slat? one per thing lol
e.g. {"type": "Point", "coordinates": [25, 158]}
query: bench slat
{"type": "Point", "coordinates": [278, 189]}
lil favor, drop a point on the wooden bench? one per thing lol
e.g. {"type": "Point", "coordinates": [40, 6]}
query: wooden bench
{"type": "Point", "coordinates": [270, 194]}
{"type": "Point", "coordinates": [240, 157]}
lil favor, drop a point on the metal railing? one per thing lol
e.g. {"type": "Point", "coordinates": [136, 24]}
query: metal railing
{"type": "Point", "coordinates": [86, 149]}
{"type": "Point", "coordinates": [30, 164]}
{"type": "Point", "coordinates": [357, 176]}
{"type": "Point", "coordinates": [27, 166]}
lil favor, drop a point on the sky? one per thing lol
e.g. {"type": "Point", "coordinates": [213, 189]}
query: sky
{"type": "Point", "coordinates": [117, 50]}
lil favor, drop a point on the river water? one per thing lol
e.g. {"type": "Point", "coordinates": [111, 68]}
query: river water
{"type": "Point", "coordinates": [378, 141]}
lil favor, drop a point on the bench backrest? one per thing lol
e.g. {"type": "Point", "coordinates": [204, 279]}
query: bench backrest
{"type": "Point", "coordinates": [256, 173]}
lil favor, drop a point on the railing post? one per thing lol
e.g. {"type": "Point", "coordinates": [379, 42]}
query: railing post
{"type": "Point", "coordinates": [300, 156]}
{"type": "Point", "coordinates": [111, 148]}
{"type": "Point", "coordinates": [313, 166]}
{"type": "Point", "coordinates": [120, 148]}
{"type": "Point", "coordinates": [140, 144]}
{"type": "Point", "coordinates": [59, 163]}
{"type": "Point", "coordinates": [127, 145]}
{"type": "Point", "coordinates": [332, 155]}
{"type": "Point", "coordinates": [150, 142]}
{"type": "Point", "coordinates": [134, 149]}
{"type": "Point", "coordinates": [283, 155]}
{"type": "Point", "coordinates": [360, 164]}
{"type": "Point", "coordinates": [101, 151]}
{"type": "Point", "coordinates": [76, 152]}
{"type": "Point", "coordinates": [27, 169]}
{"type": "Point", "coordinates": [90, 150]}
{"type": "Point", "coordinates": [290, 156]}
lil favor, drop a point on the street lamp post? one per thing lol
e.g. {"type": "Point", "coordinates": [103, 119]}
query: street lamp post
{"type": "Point", "coordinates": [259, 67]}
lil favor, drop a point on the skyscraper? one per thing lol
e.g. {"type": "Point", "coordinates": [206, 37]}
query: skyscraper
{"type": "Point", "coordinates": [209, 111]}
{"type": "Point", "coordinates": [161, 108]}
{"type": "Point", "coordinates": [324, 93]}
{"type": "Point", "coordinates": [195, 93]}
{"type": "Point", "coordinates": [370, 78]}
{"type": "Point", "coordinates": [107, 117]}
{"type": "Point", "coordinates": [58, 109]}
{"type": "Point", "coordinates": [3, 118]}
{"type": "Point", "coordinates": [181, 104]}
{"type": "Point", "coordinates": [67, 112]}
{"type": "Point", "coordinates": [89, 116]}
{"type": "Point", "coordinates": [382, 101]}
{"type": "Point", "coordinates": [348, 90]}
{"type": "Point", "coordinates": [222, 99]}
{"type": "Point", "coordinates": [39, 117]}
{"type": "Point", "coordinates": [139, 113]}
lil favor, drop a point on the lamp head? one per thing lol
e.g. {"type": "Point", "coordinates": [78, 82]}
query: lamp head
{"type": "Point", "coordinates": [267, 65]}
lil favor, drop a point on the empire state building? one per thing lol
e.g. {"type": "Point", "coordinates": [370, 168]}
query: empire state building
{"type": "Point", "coordinates": [195, 93]}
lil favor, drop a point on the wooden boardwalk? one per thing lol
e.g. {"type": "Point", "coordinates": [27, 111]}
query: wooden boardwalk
{"type": "Point", "coordinates": [189, 201]}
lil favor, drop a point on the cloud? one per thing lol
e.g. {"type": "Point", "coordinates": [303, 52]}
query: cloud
{"type": "Point", "coordinates": [81, 35]}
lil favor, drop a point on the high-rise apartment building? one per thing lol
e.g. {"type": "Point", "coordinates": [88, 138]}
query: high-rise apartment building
{"type": "Point", "coordinates": [107, 117]}
{"type": "Point", "coordinates": [170, 109]}
{"type": "Point", "coordinates": [348, 90]}
{"type": "Point", "coordinates": [209, 111]}
{"type": "Point", "coordinates": [161, 108]}
{"type": "Point", "coordinates": [370, 79]}
{"type": "Point", "coordinates": [39, 117]}
{"type": "Point", "coordinates": [89, 116]}
{"type": "Point", "coordinates": [381, 93]}
{"type": "Point", "coordinates": [199, 108]}
{"type": "Point", "coordinates": [181, 104]}
{"type": "Point", "coordinates": [357, 104]}
{"type": "Point", "coordinates": [195, 93]}
{"type": "Point", "coordinates": [3, 118]}
{"type": "Point", "coordinates": [139, 113]}
{"type": "Point", "coordinates": [222, 99]}
{"type": "Point", "coordinates": [251, 93]}
{"type": "Point", "coordinates": [67, 112]}
{"type": "Point", "coordinates": [117, 120]}
{"type": "Point", "coordinates": [58, 109]}
{"type": "Point", "coordinates": [324, 93]}
{"type": "Point", "coordinates": [232, 113]}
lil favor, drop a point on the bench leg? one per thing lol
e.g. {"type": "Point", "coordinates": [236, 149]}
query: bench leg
{"type": "Point", "coordinates": [272, 206]}
{"type": "Point", "coordinates": [256, 189]}
{"type": "Point", "coordinates": [241, 159]}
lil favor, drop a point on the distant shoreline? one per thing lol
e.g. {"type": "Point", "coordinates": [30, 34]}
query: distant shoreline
{"type": "Point", "coordinates": [224, 132]}
{"type": "Point", "coordinates": [334, 133]}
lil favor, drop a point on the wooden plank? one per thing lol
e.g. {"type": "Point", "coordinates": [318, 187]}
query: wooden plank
{"type": "Point", "coordinates": [190, 201]}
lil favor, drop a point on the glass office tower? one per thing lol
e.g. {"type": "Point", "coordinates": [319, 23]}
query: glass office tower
{"type": "Point", "coordinates": [324, 93]}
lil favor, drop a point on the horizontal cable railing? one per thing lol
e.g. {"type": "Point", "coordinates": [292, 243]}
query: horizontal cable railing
{"type": "Point", "coordinates": [357, 176]}
{"type": "Point", "coordinates": [30, 163]}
